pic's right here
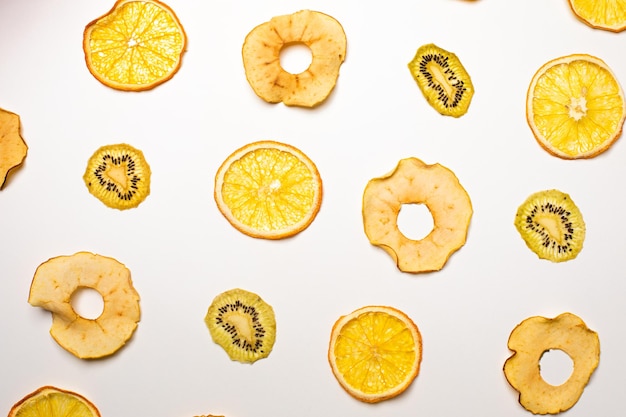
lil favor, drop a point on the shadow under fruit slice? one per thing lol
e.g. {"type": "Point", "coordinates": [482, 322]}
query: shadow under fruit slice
{"type": "Point", "coordinates": [530, 340]}
{"type": "Point", "coordinates": [13, 149]}
{"type": "Point", "coordinates": [119, 176]}
{"type": "Point", "coordinates": [601, 14]}
{"type": "Point", "coordinates": [375, 352]}
{"type": "Point", "coordinates": [575, 106]}
{"type": "Point", "coordinates": [57, 279]}
{"type": "Point", "coordinates": [551, 225]}
{"type": "Point", "coordinates": [268, 190]}
{"type": "Point", "coordinates": [443, 80]}
{"type": "Point", "coordinates": [135, 46]}
{"type": "Point", "coordinates": [49, 401]}
{"type": "Point", "coordinates": [242, 324]}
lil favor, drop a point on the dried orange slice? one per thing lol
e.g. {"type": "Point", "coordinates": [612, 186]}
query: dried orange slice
{"type": "Point", "coordinates": [375, 352]}
{"type": "Point", "coordinates": [13, 149]}
{"type": "Point", "coordinates": [575, 106]}
{"type": "Point", "coordinates": [601, 14]}
{"type": "Point", "coordinates": [50, 401]}
{"type": "Point", "coordinates": [136, 46]}
{"type": "Point", "coordinates": [268, 190]}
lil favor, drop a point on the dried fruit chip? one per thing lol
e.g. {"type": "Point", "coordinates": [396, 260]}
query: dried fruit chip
{"type": "Point", "coordinates": [321, 33]}
{"type": "Point", "coordinates": [551, 225]}
{"type": "Point", "coordinates": [537, 335]}
{"type": "Point", "coordinates": [135, 46]}
{"type": "Point", "coordinates": [55, 282]}
{"type": "Point", "coordinates": [268, 190]}
{"type": "Point", "coordinates": [575, 106]}
{"type": "Point", "coordinates": [13, 149]}
{"type": "Point", "coordinates": [601, 14]}
{"type": "Point", "coordinates": [375, 353]}
{"type": "Point", "coordinates": [243, 324]}
{"type": "Point", "coordinates": [119, 176]}
{"type": "Point", "coordinates": [49, 401]}
{"type": "Point", "coordinates": [443, 80]}
{"type": "Point", "coordinates": [414, 182]}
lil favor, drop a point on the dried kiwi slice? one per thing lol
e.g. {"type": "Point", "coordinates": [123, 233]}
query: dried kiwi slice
{"type": "Point", "coordinates": [243, 324]}
{"type": "Point", "coordinates": [119, 176]}
{"type": "Point", "coordinates": [443, 80]}
{"type": "Point", "coordinates": [551, 225]}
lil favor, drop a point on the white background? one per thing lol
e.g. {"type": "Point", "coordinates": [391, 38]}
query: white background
{"type": "Point", "coordinates": [182, 252]}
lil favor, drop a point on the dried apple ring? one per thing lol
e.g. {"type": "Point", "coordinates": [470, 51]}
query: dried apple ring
{"type": "Point", "coordinates": [414, 182]}
{"type": "Point", "coordinates": [530, 340]}
{"type": "Point", "coordinates": [55, 282]}
{"type": "Point", "coordinates": [321, 33]}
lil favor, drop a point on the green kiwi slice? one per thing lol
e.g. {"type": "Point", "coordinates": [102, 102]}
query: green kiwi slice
{"type": "Point", "coordinates": [118, 175]}
{"type": "Point", "coordinates": [551, 225]}
{"type": "Point", "coordinates": [242, 324]}
{"type": "Point", "coordinates": [443, 80]}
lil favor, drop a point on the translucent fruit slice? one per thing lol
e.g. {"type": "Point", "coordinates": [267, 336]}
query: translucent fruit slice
{"type": "Point", "coordinates": [136, 46]}
{"type": "Point", "coordinates": [443, 80]}
{"type": "Point", "coordinates": [268, 190]}
{"type": "Point", "coordinates": [13, 149]}
{"type": "Point", "coordinates": [322, 34]}
{"type": "Point", "coordinates": [56, 281]}
{"type": "Point", "coordinates": [119, 176]}
{"type": "Point", "coordinates": [601, 14]}
{"type": "Point", "coordinates": [375, 353]}
{"type": "Point", "coordinates": [551, 225]}
{"type": "Point", "coordinates": [575, 106]}
{"type": "Point", "coordinates": [243, 324]}
{"type": "Point", "coordinates": [49, 401]}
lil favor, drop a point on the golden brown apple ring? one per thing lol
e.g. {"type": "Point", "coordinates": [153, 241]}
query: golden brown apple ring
{"type": "Point", "coordinates": [537, 335]}
{"type": "Point", "coordinates": [414, 182]}
{"type": "Point", "coordinates": [321, 33]}
{"type": "Point", "coordinates": [58, 278]}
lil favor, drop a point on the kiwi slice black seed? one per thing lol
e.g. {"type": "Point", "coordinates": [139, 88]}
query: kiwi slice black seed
{"type": "Point", "coordinates": [551, 225]}
{"type": "Point", "coordinates": [442, 79]}
{"type": "Point", "coordinates": [118, 175]}
{"type": "Point", "coordinates": [242, 324]}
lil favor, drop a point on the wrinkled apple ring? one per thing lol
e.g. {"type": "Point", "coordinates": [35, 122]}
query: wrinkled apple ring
{"type": "Point", "coordinates": [321, 33]}
{"type": "Point", "coordinates": [55, 282]}
{"type": "Point", "coordinates": [414, 182]}
{"type": "Point", "coordinates": [530, 340]}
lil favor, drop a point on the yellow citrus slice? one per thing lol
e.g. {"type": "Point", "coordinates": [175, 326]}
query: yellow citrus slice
{"type": "Point", "coordinates": [268, 190]}
{"type": "Point", "coordinates": [136, 46]}
{"type": "Point", "coordinates": [375, 353]}
{"type": "Point", "coordinates": [49, 401]}
{"type": "Point", "coordinates": [601, 14]}
{"type": "Point", "coordinates": [575, 106]}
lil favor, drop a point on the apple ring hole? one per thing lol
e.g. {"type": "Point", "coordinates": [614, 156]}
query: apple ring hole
{"type": "Point", "coordinates": [555, 366]}
{"type": "Point", "coordinates": [295, 57]}
{"type": "Point", "coordinates": [415, 221]}
{"type": "Point", "coordinates": [87, 303]}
